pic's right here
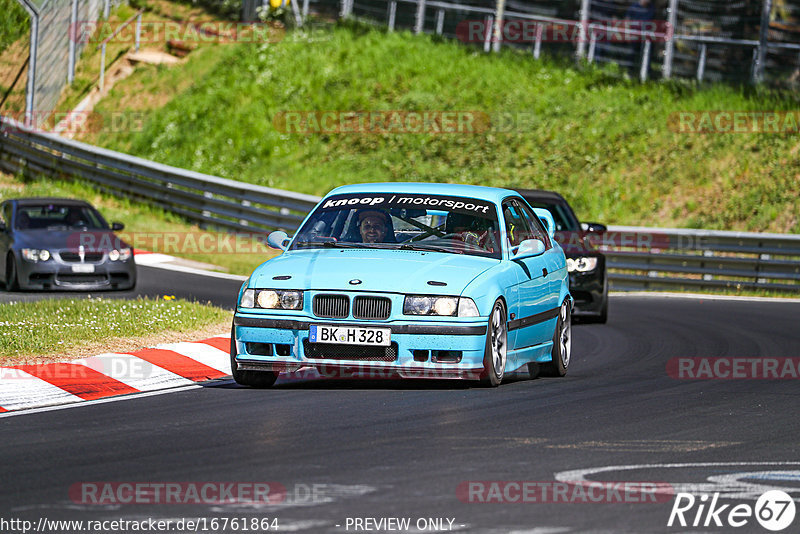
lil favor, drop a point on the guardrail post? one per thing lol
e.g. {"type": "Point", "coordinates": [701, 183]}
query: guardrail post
{"type": "Point", "coordinates": [107, 9]}
{"type": "Point", "coordinates": [419, 21]}
{"type": "Point", "coordinates": [392, 14]}
{"type": "Point", "coordinates": [73, 36]}
{"type": "Point", "coordinates": [305, 11]}
{"type": "Point", "coordinates": [592, 46]}
{"type": "Point", "coordinates": [701, 63]}
{"type": "Point", "coordinates": [707, 254]}
{"type": "Point", "coordinates": [138, 32]}
{"type": "Point", "coordinates": [103, 67]}
{"type": "Point", "coordinates": [644, 71]}
{"type": "Point", "coordinates": [586, 6]}
{"type": "Point", "coordinates": [763, 43]}
{"type": "Point", "coordinates": [537, 46]}
{"type": "Point", "coordinates": [669, 49]}
{"type": "Point", "coordinates": [498, 25]}
{"type": "Point", "coordinates": [487, 36]}
{"type": "Point", "coordinates": [439, 21]}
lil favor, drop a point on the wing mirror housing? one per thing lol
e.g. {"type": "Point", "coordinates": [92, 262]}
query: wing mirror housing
{"type": "Point", "coordinates": [528, 249]}
{"type": "Point", "coordinates": [279, 240]}
{"type": "Point", "coordinates": [117, 226]}
{"type": "Point", "coordinates": [546, 218]}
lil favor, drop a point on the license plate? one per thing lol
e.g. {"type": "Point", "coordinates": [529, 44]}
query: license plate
{"type": "Point", "coordinates": [83, 268]}
{"type": "Point", "coordinates": [349, 335]}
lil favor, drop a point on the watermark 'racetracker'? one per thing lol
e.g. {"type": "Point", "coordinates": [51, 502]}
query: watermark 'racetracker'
{"type": "Point", "coordinates": [734, 122]}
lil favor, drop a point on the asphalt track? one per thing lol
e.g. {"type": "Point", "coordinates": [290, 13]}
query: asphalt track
{"type": "Point", "coordinates": [401, 449]}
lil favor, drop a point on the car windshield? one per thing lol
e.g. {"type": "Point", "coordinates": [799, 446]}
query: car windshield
{"type": "Point", "coordinates": [402, 221]}
{"type": "Point", "coordinates": [562, 215]}
{"type": "Point", "coordinates": [58, 217]}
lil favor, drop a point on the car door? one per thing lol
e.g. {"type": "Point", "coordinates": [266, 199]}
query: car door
{"type": "Point", "coordinates": [533, 288]}
{"type": "Point", "coordinates": [554, 262]}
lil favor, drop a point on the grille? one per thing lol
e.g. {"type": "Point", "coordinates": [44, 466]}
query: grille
{"type": "Point", "coordinates": [331, 306]}
{"type": "Point", "coordinates": [371, 308]}
{"type": "Point", "coordinates": [74, 257]}
{"type": "Point", "coordinates": [330, 351]}
{"type": "Point", "coordinates": [81, 278]}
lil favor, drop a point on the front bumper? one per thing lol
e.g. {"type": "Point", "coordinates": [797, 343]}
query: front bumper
{"type": "Point", "coordinates": [424, 349]}
{"type": "Point", "coordinates": [589, 290]}
{"type": "Point", "coordinates": [56, 274]}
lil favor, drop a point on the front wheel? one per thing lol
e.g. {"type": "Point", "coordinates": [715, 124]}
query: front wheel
{"type": "Point", "coordinates": [254, 379]}
{"type": "Point", "coordinates": [562, 343]}
{"type": "Point", "coordinates": [12, 280]}
{"type": "Point", "coordinates": [495, 354]}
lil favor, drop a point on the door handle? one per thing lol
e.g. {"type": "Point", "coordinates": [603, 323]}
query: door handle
{"type": "Point", "coordinates": [544, 271]}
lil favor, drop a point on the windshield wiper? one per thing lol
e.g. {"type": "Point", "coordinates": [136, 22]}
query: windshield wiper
{"type": "Point", "coordinates": [430, 248]}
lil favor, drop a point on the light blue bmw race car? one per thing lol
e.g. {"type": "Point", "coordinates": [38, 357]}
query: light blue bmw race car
{"type": "Point", "coordinates": [409, 280]}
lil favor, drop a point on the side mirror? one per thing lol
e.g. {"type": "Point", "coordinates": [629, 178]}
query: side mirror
{"type": "Point", "coordinates": [527, 249]}
{"type": "Point", "coordinates": [117, 226]}
{"type": "Point", "coordinates": [594, 227]}
{"type": "Point", "coordinates": [547, 218]}
{"type": "Point", "coordinates": [278, 239]}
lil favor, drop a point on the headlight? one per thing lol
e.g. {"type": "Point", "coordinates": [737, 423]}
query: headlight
{"type": "Point", "coordinates": [467, 308]}
{"type": "Point", "coordinates": [443, 306]}
{"type": "Point", "coordinates": [581, 265]}
{"type": "Point", "coordinates": [272, 299]}
{"type": "Point", "coordinates": [34, 255]}
{"type": "Point", "coordinates": [248, 299]}
{"type": "Point", "coordinates": [119, 255]}
{"type": "Point", "coordinates": [268, 299]}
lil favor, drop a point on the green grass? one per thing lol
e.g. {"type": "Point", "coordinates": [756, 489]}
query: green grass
{"type": "Point", "coordinates": [144, 221]}
{"type": "Point", "coordinates": [13, 24]}
{"type": "Point", "coordinates": [54, 326]}
{"type": "Point", "coordinates": [597, 137]}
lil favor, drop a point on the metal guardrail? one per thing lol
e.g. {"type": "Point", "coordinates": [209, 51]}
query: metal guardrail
{"type": "Point", "coordinates": [701, 259]}
{"type": "Point", "coordinates": [638, 257]}
{"type": "Point", "coordinates": [201, 198]}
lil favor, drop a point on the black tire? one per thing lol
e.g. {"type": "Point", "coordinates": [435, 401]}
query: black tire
{"type": "Point", "coordinates": [12, 280]}
{"type": "Point", "coordinates": [495, 354]}
{"type": "Point", "coordinates": [534, 369]}
{"type": "Point", "coordinates": [254, 379]}
{"type": "Point", "coordinates": [562, 344]}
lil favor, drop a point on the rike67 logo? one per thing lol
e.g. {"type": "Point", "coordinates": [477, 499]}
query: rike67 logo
{"type": "Point", "coordinates": [774, 510]}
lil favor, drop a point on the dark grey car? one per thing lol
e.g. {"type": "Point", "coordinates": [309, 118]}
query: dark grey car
{"type": "Point", "coordinates": [58, 243]}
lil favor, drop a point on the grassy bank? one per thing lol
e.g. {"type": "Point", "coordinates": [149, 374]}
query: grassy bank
{"type": "Point", "coordinates": [49, 327]}
{"type": "Point", "coordinates": [601, 140]}
{"type": "Point", "coordinates": [13, 24]}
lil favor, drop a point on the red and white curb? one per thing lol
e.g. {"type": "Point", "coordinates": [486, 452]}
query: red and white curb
{"type": "Point", "coordinates": [167, 366]}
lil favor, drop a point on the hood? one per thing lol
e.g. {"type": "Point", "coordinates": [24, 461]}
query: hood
{"type": "Point", "coordinates": [68, 239]}
{"type": "Point", "coordinates": [398, 271]}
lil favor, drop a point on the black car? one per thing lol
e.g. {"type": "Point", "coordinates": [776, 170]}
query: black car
{"type": "Point", "coordinates": [58, 243]}
{"type": "Point", "coordinates": [588, 279]}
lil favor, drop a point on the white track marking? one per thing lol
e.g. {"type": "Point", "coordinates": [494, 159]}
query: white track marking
{"type": "Point", "coordinates": [730, 487]}
{"type": "Point", "coordinates": [699, 296]}
{"type": "Point", "coordinates": [132, 396]}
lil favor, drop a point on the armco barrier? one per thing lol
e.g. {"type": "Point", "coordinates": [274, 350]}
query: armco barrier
{"type": "Point", "coordinates": [705, 259]}
{"type": "Point", "coordinates": [672, 259]}
{"type": "Point", "coordinates": [198, 197]}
